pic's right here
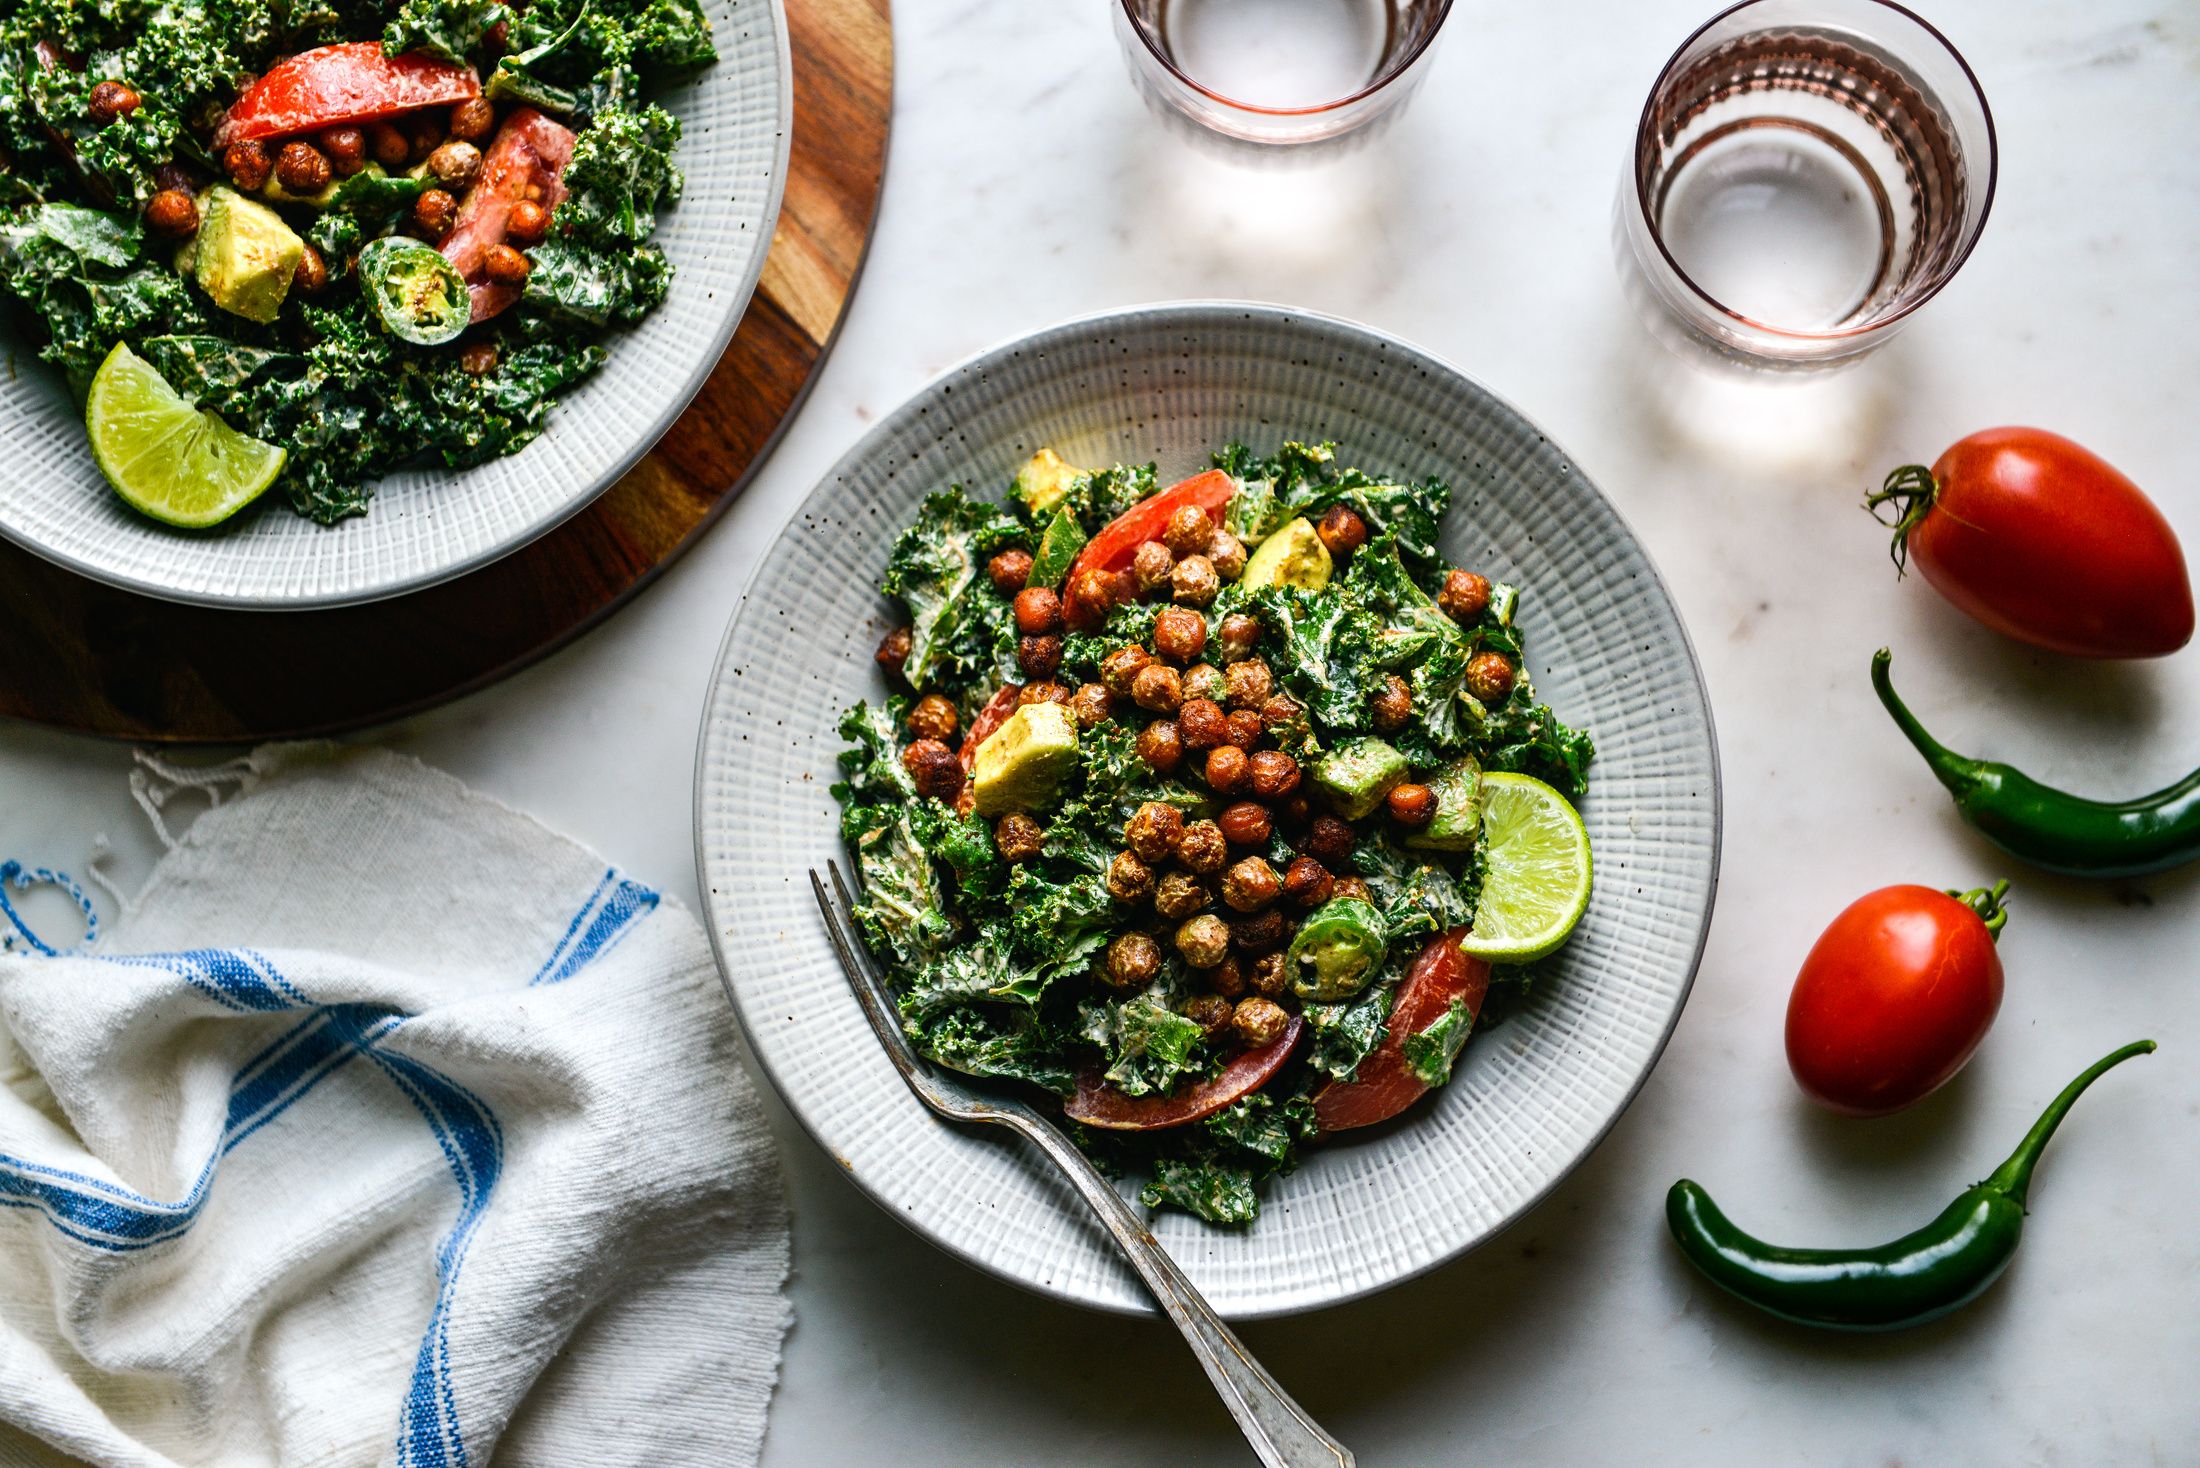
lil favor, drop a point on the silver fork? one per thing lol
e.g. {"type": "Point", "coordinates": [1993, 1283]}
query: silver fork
{"type": "Point", "coordinates": [1278, 1428]}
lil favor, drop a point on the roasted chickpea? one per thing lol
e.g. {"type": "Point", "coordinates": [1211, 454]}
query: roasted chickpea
{"type": "Point", "coordinates": [1008, 572]}
{"type": "Point", "coordinates": [1227, 553]}
{"type": "Point", "coordinates": [1205, 680]}
{"type": "Point", "coordinates": [1017, 837]}
{"type": "Point", "coordinates": [1152, 831]}
{"type": "Point", "coordinates": [1329, 841]}
{"type": "Point", "coordinates": [1466, 596]}
{"type": "Point", "coordinates": [388, 145]}
{"type": "Point", "coordinates": [1204, 940]}
{"type": "Point", "coordinates": [893, 649]}
{"type": "Point", "coordinates": [302, 168]}
{"type": "Point", "coordinates": [1157, 689]}
{"type": "Point", "coordinates": [1044, 690]}
{"type": "Point", "coordinates": [346, 148]}
{"type": "Point", "coordinates": [501, 263]}
{"type": "Point", "coordinates": [1355, 887]}
{"type": "Point", "coordinates": [1129, 879]}
{"type": "Point", "coordinates": [1265, 975]}
{"type": "Point", "coordinates": [1201, 849]}
{"type": "Point", "coordinates": [248, 164]}
{"type": "Point", "coordinates": [1194, 583]}
{"type": "Point", "coordinates": [1342, 530]}
{"type": "Point", "coordinates": [1306, 882]}
{"type": "Point", "coordinates": [436, 211]}
{"type": "Point", "coordinates": [1411, 805]}
{"type": "Point", "coordinates": [1390, 709]}
{"type": "Point", "coordinates": [527, 224]}
{"type": "Point", "coordinates": [1178, 895]}
{"type": "Point", "coordinates": [172, 213]}
{"type": "Point", "coordinates": [455, 165]}
{"type": "Point", "coordinates": [1238, 633]}
{"type": "Point", "coordinates": [1038, 609]}
{"type": "Point", "coordinates": [1292, 810]}
{"type": "Point", "coordinates": [1133, 959]}
{"type": "Point", "coordinates": [1119, 668]}
{"type": "Point", "coordinates": [1151, 565]}
{"type": "Point", "coordinates": [1274, 774]}
{"type": "Point", "coordinates": [1092, 595]}
{"type": "Point", "coordinates": [424, 133]}
{"type": "Point", "coordinates": [1202, 723]}
{"type": "Point", "coordinates": [1227, 770]}
{"type": "Point", "coordinates": [311, 275]}
{"type": "Point", "coordinates": [1490, 677]}
{"type": "Point", "coordinates": [1262, 932]}
{"type": "Point", "coordinates": [112, 99]}
{"type": "Point", "coordinates": [1039, 657]}
{"type": "Point", "coordinates": [1247, 823]}
{"type": "Point", "coordinates": [1250, 885]}
{"type": "Point", "coordinates": [1258, 1021]}
{"type": "Point", "coordinates": [1189, 530]}
{"type": "Point", "coordinates": [473, 119]}
{"type": "Point", "coordinates": [1227, 978]}
{"type": "Point", "coordinates": [1092, 705]}
{"type": "Point", "coordinates": [177, 176]}
{"type": "Point", "coordinates": [478, 359]}
{"type": "Point", "coordinates": [1251, 684]}
{"type": "Point", "coordinates": [1179, 634]}
{"type": "Point", "coordinates": [934, 768]}
{"type": "Point", "coordinates": [1161, 746]}
{"type": "Point", "coordinates": [1279, 711]}
{"type": "Point", "coordinates": [1211, 1012]}
{"type": "Point", "coordinates": [933, 717]}
{"type": "Point", "coordinates": [1245, 729]}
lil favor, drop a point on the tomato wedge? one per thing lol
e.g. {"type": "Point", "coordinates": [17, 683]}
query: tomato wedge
{"type": "Point", "coordinates": [525, 162]}
{"type": "Point", "coordinates": [1099, 1104]}
{"type": "Point", "coordinates": [349, 82]}
{"type": "Point", "coordinates": [1119, 539]}
{"type": "Point", "coordinates": [1385, 1085]}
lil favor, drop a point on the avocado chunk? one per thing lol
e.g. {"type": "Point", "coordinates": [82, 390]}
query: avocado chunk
{"type": "Point", "coordinates": [1356, 775]}
{"type": "Point", "coordinates": [1020, 766]}
{"type": "Point", "coordinates": [1293, 556]}
{"type": "Point", "coordinates": [245, 255]}
{"type": "Point", "coordinates": [1457, 824]}
{"type": "Point", "coordinates": [1041, 483]}
{"type": "Point", "coordinates": [1337, 950]}
{"type": "Point", "coordinates": [1059, 544]}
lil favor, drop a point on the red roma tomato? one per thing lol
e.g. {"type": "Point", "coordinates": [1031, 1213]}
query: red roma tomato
{"type": "Point", "coordinates": [527, 161]}
{"type": "Point", "coordinates": [1099, 1104]}
{"type": "Point", "coordinates": [2045, 542]}
{"type": "Point", "coordinates": [1384, 1085]}
{"type": "Point", "coordinates": [1894, 997]}
{"type": "Point", "coordinates": [351, 82]}
{"type": "Point", "coordinates": [1118, 541]}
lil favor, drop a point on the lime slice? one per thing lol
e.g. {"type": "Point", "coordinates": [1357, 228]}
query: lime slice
{"type": "Point", "coordinates": [1536, 873]}
{"type": "Point", "coordinates": [178, 464]}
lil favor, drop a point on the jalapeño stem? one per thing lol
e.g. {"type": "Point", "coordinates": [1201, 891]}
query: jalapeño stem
{"type": "Point", "coordinates": [2014, 1177]}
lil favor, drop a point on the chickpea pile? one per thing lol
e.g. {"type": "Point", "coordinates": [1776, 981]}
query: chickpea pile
{"type": "Point", "coordinates": [1210, 889]}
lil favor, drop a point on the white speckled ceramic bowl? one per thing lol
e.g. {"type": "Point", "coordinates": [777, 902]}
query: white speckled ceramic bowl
{"type": "Point", "coordinates": [430, 524]}
{"type": "Point", "coordinates": [1530, 1098]}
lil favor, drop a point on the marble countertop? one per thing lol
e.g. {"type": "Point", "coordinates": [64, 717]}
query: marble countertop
{"type": "Point", "coordinates": [1028, 184]}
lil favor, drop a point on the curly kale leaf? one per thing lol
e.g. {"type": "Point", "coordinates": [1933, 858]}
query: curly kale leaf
{"type": "Point", "coordinates": [1100, 496]}
{"type": "Point", "coordinates": [621, 173]}
{"type": "Point", "coordinates": [592, 287]}
{"type": "Point", "coordinates": [965, 843]}
{"type": "Point", "coordinates": [1214, 1191]}
{"type": "Point", "coordinates": [1004, 1043]}
{"type": "Point", "coordinates": [1417, 898]}
{"type": "Point", "coordinates": [871, 767]}
{"type": "Point", "coordinates": [962, 631]}
{"type": "Point", "coordinates": [200, 367]}
{"type": "Point", "coordinates": [1344, 1032]}
{"type": "Point", "coordinates": [450, 29]}
{"type": "Point", "coordinates": [1147, 1045]}
{"type": "Point", "coordinates": [980, 971]}
{"type": "Point", "coordinates": [903, 911]}
{"type": "Point", "coordinates": [1058, 926]}
{"type": "Point", "coordinates": [73, 268]}
{"type": "Point", "coordinates": [1429, 1053]}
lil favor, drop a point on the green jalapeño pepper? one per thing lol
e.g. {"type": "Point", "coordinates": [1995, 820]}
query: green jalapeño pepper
{"type": "Point", "coordinates": [1337, 950]}
{"type": "Point", "coordinates": [1919, 1277]}
{"type": "Point", "coordinates": [2048, 827]}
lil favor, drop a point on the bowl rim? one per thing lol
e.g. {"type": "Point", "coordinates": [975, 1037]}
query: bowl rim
{"type": "Point", "coordinates": [1189, 312]}
{"type": "Point", "coordinates": [675, 403]}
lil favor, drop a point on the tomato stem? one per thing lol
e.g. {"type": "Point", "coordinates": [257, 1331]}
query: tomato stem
{"type": "Point", "coordinates": [1913, 492]}
{"type": "Point", "coordinates": [1987, 903]}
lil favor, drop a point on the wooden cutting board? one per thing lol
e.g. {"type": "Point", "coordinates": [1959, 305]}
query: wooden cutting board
{"type": "Point", "coordinates": [79, 655]}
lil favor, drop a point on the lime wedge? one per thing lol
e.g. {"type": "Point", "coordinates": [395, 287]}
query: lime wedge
{"type": "Point", "coordinates": [1536, 873]}
{"type": "Point", "coordinates": [173, 461]}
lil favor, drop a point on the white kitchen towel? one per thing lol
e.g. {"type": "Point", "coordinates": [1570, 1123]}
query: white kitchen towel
{"type": "Point", "coordinates": [384, 1127]}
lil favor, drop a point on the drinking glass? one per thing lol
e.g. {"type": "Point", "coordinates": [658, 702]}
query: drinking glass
{"type": "Point", "coordinates": [1807, 174]}
{"type": "Point", "coordinates": [1273, 75]}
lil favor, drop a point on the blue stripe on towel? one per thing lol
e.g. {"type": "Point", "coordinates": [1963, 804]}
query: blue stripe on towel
{"type": "Point", "coordinates": [601, 922]}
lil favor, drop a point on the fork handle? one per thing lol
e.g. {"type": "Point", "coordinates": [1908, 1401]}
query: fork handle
{"type": "Point", "coordinates": [1280, 1431]}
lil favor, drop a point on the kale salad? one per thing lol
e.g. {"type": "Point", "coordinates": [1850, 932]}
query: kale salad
{"type": "Point", "coordinates": [1215, 810]}
{"type": "Point", "coordinates": [298, 243]}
